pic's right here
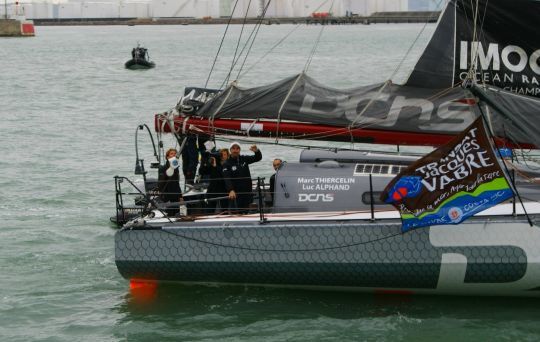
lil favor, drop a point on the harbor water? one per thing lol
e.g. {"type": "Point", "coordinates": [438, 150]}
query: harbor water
{"type": "Point", "coordinates": [69, 111]}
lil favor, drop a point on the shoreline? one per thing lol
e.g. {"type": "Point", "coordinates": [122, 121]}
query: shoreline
{"type": "Point", "coordinates": [376, 18]}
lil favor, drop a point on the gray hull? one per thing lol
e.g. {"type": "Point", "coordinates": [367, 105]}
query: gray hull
{"type": "Point", "coordinates": [483, 256]}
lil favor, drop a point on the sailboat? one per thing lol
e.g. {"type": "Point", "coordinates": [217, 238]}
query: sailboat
{"type": "Point", "coordinates": [329, 227]}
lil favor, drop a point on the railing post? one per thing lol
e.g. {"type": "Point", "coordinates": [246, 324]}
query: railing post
{"type": "Point", "coordinates": [119, 199]}
{"type": "Point", "coordinates": [371, 198]}
{"type": "Point", "coordinates": [513, 193]}
{"type": "Point", "coordinates": [260, 202]}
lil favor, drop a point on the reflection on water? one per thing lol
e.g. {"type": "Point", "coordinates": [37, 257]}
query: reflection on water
{"type": "Point", "coordinates": [238, 312]}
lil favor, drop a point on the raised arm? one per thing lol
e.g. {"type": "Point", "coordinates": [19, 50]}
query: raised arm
{"type": "Point", "coordinates": [254, 158]}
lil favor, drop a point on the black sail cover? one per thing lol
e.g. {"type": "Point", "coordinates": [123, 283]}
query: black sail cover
{"type": "Point", "coordinates": [396, 108]}
{"type": "Point", "coordinates": [506, 55]}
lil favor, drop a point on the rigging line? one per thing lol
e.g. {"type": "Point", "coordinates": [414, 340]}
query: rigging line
{"type": "Point", "coordinates": [369, 103]}
{"type": "Point", "coordinates": [463, 4]}
{"type": "Point", "coordinates": [221, 44]}
{"type": "Point", "coordinates": [385, 84]}
{"type": "Point", "coordinates": [269, 51]}
{"type": "Point", "coordinates": [524, 175]}
{"type": "Point", "coordinates": [314, 49]}
{"type": "Point", "coordinates": [251, 38]}
{"type": "Point", "coordinates": [511, 184]}
{"type": "Point", "coordinates": [484, 39]}
{"type": "Point", "coordinates": [212, 118]}
{"type": "Point", "coordinates": [258, 27]}
{"type": "Point", "coordinates": [234, 60]}
{"type": "Point", "coordinates": [278, 43]}
{"type": "Point", "coordinates": [475, 45]}
{"type": "Point", "coordinates": [284, 102]}
{"type": "Point", "coordinates": [400, 64]}
{"type": "Point", "coordinates": [529, 158]}
{"type": "Point", "coordinates": [376, 121]}
{"type": "Point", "coordinates": [280, 250]}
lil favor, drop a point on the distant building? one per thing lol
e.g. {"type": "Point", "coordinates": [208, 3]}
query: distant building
{"type": "Point", "coordinates": [368, 7]}
{"type": "Point", "coordinates": [426, 5]}
{"type": "Point", "coordinates": [59, 9]}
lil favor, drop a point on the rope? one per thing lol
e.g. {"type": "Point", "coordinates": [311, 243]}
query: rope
{"type": "Point", "coordinates": [472, 69]}
{"type": "Point", "coordinates": [269, 51]}
{"type": "Point", "coordinates": [258, 27]}
{"type": "Point", "coordinates": [234, 60]}
{"type": "Point", "coordinates": [314, 49]}
{"type": "Point", "coordinates": [278, 43]}
{"type": "Point", "coordinates": [212, 118]}
{"type": "Point", "coordinates": [282, 250]}
{"type": "Point", "coordinates": [413, 44]}
{"type": "Point", "coordinates": [221, 44]}
{"type": "Point", "coordinates": [284, 102]}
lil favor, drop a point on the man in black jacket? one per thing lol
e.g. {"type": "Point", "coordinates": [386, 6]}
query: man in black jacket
{"type": "Point", "coordinates": [276, 164]}
{"type": "Point", "coordinates": [238, 178]}
{"type": "Point", "coordinates": [212, 169]}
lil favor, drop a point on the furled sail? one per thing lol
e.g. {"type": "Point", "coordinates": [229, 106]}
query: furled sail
{"type": "Point", "coordinates": [514, 117]}
{"type": "Point", "coordinates": [390, 107]}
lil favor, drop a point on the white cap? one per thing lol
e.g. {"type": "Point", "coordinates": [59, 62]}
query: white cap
{"type": "Point", "coordinates": [234, 143]}
{"type": "Point", "coordinates": [209, 145]}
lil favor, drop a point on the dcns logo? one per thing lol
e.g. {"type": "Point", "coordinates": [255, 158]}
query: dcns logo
{"type": "Point", "coordinates": [315, 197]}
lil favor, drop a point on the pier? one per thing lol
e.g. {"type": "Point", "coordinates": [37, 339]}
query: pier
{"type": "Point", "coordinates": [18, 27]}
{"type": "Point", "coordinates": [375, 18]}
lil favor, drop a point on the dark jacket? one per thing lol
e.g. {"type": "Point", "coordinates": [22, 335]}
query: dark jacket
{"type": "Point", "coordinates": [216, 185]}
{"type": "Point", "coordinates": [169, 187]}
{"type": "Point", "coordinates": [236, 172]}
{"type": "Point", "coordinates": [190, 156]}
{"type": "Point", "coordinates": [190, 159]}
{"type": "Point", "coordinates": [272, 186]}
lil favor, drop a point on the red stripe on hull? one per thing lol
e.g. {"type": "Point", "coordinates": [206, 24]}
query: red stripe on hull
{"type": "Point", "coordinates": [298, 130]}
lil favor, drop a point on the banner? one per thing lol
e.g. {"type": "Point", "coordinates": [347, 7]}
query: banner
{"type": "Point", "coordinates": [450, 184]}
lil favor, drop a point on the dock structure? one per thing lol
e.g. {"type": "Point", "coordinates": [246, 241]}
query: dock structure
{"type": "Point", "coordinates": [378, 18]}
{"type": "Point", "coordinates": [16, 28]}
{"type": "Point", "coordinates": [10, 28]}
{"type": "Point", "coordinates": [375, 18]}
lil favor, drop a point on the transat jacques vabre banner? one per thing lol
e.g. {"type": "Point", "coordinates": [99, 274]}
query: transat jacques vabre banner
{"type": "Point", "coordinates": [450, 184]}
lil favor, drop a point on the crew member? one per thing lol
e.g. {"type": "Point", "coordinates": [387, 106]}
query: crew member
{"type": "Point", "coordinates": [216, 186]}
{"type": "Point", "coordinates": [169, 182]}
{"type": "Point", "coordinates": [238, 177]}
{"type": "Point", "coordinates": [276, 164]}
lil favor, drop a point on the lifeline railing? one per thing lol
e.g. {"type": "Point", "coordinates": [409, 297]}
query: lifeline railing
{"type": "Point", "coordinates": [145, 201]}
{"type": "Point", "coordinates": [126, 212]}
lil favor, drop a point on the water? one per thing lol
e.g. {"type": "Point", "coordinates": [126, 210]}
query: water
{"type": "Point", "coordinates": [69, 111]}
